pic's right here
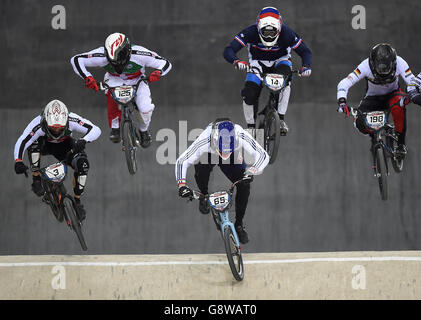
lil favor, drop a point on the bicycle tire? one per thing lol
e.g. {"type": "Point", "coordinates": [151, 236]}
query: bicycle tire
{"type": "Point", "coordinates": [235, 260]}
{"type": "Point", "coordinates": [381, 172]}
{"type": "Point", "coordinates": [397, 164]}
{"type": "Point", "coordinates": [129, 147]}
{"type": "Point", "coordinates": [53, 202]}
{"type": "Point", "coordinates": [74, 224]}
{"type": "Point", "coordinates": [272, 135]}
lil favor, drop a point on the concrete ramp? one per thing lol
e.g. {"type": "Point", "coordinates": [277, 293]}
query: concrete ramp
{"type": "Point", "coordinates": [339, 275]}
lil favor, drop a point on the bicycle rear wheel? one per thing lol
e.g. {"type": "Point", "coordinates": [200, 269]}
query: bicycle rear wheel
{"type": "Point", "coordinates": [381, 172]}
{"type": "Point", "coordinates": [234, 257]}
{"type": "Point", "coordinates": [129, 145]}
{"type": "Point", "coordinates": [397, 163]}
{"type": "Point", "coordinates": [73, 220]}
{"type": "Point", "coordinates": [272, 134]}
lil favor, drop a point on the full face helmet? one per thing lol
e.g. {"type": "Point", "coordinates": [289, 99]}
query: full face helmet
{"type": "Point", "coordinates": [382, 61]}
{"type": "Point", "coordinates": [55, 119]}
{"type": "Point", "coordinates": [223, 137]}
{"type": "Point", "coordinates": [118, 51]}
{"type": "Point", "coordinates": [269, 24]}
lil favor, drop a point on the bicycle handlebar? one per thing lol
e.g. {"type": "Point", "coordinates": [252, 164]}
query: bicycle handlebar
{"type": "Point", "coordinates": [256, 70]}
{"type": "Point", "coordinates": [104, 86]}
{"type": "Point", "coordinates": [197, 194]}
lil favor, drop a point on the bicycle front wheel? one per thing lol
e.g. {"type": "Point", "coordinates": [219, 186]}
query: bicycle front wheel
{"type": "Point", "coordinates": [397, 163]}
{"type": "Point", "coordinates": [234, 257]}
{"type": "Point", "coordinates": [73, 220]}
{"type": "Point", "coordinates": [381, 172]}
{"type": "Point", "coordinates": [272, 135]}
{"type": "Point", "coordinates": [129, 145]}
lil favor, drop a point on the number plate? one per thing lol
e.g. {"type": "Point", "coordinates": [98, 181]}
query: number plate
{"type": "Point", "coordinates": [56, 172]}
{"type": "Point", "coordinates": [219, 200]}
{"type": "Point", "coordinates": [123, 94]}
{"type": "Point", "coordinates": [274, 81]}
{"type": "Point", "coordinates": [375, 120]}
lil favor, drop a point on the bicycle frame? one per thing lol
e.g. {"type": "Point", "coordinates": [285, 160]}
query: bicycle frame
{"type": "Point", "coordinates": [222, 215]}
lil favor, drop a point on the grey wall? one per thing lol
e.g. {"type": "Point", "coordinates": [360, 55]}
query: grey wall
{"type": "Point", "coordinates": [319, 196]}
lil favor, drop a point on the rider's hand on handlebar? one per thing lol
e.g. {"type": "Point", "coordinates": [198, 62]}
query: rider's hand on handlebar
{"type": "Point", "coordinates": [343, 107]}
{"type": "Point", "coordinates": [155, 76]}
{"type": "Point", "coordinates": [91, 83]}
{"type": "Point", "coordinates": [20, 167]}
{"type": "Point", "coordinates": [185, 192]}
{"type": "Point", "coordinates": [241, 65]}
{"type": "Point", "coordinates": [305, 72]}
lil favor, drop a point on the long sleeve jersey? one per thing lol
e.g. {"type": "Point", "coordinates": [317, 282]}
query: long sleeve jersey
{"type": "Point", "coordinates": [363, 71]}
{"type": "Point", "coordinates": [34, 130]}
{"type": "Point", "coordinates": [287, 40]}
{"type": "Point", "coordinates": [202, 145]}
{"type": "Point", "coordinates": [139, 59]}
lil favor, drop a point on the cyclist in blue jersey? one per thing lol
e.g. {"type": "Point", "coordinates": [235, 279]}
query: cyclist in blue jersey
{"type": "Point", "coordinates": [269, 42]}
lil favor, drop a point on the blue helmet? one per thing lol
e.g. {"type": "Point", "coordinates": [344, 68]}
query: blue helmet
{"type": "Point", "coordinates": [223, 137]}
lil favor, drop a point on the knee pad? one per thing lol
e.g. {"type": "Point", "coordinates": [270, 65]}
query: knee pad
{"type": "Point", "coordinates": [34, 155]}
{"type": "Point", "coordinates": [80, 164]}
{"type": "Point", "coordinates": [251, 93]}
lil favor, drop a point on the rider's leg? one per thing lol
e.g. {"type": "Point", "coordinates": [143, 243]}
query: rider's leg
{"type": "Point", "coordinates": [284, 67]}
{"type": "Point", "coordinates": [369, 103]}
{"type": "Point", "coordinates": [146, 108]}
{"type": "Point", "coordinates": [80, 164]}
{"type": "Point", "coordinates": [34, 155]}
{"type": "Point", "coordinates": [235, 172]}
{"type": "Point", "coordinates": [201, 175]}
{"type": "Point", "coordinates": [397, 104]}
{"type": "Point", "coordinates": [114, 117]}
{"type": "Point", "coordinates": [250, 95]}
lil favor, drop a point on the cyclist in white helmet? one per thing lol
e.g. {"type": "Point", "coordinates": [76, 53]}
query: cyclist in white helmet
{"type": "Point", "coordinates": [269, 42]}
{"type": "Point", "coordinates": [124, 63]}
{"type": "Point", "coordinates": [51, 133]}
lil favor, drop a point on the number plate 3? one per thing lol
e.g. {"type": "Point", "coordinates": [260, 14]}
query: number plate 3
{"type": "Point", "coordinates": [56, 172]}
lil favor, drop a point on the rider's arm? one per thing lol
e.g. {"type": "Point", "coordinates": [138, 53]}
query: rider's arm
{"type": "Point", "coordinates": [414, 89]}
{"type": "Point", "coordinates": [150, 59]}
{"type": "Point", "coordinates": [239, 42]}
{"type": "Point", "coordinates": [358, 74]}
{"type": "Point", "coordinates": [191, 155]}
{"type": "Point", "coordinates": [254, 149]}
{"type": "Point", "coordinates": [90, 131]}
{"type": "Point", "coordinates": [31, 133]}
{"type": "Point", "coordinates": [297, 44]}
{"type": "Point", "coordinates": [94, 58]}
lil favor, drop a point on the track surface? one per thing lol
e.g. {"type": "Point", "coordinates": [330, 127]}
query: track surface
{"type": "Point", "coordinates": [340, 275]}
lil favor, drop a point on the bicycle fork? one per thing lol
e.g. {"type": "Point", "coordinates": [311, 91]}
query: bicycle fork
{"type": "Point", "coordinates": [376, 145]}
{"type": "Point", "coordinates": [224, 222]}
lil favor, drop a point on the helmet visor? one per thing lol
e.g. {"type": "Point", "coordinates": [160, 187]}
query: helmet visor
{"type": "Point", "coordinates": [269, 33]}
{"type": "Point", "coordinates": [56, 130]}
{"type": "Point", "coordinates": [383, 68]}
